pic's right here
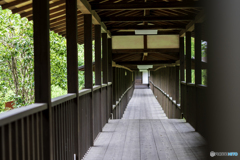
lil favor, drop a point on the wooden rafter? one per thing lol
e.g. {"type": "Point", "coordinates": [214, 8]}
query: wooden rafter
{"type": "Point", "coordinates": [147, 5]}
{"type": "Point", "coordinates": [146, 62]}
{"type": "Point", "coordinates": [170, 50]}
{"type": "Point", "coordinates": [148, 18]}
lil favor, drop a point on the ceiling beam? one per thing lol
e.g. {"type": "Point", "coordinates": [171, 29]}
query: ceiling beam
{"type": "Point", "coordinates": [147, 18]}
{"type": "Point", "coordinates": [145, 62]}
{"type": "Point", "coordinates": [190, 27]}
{"type": "Point", "coordinates": [175, 27]}
{"type": "Point", "coordinates": [167, 50]}
{"type": "Point", "coordinates": [146, 5]}
{"type": "Point", "coordinates": [85, 8]}
{"type": "Point", "coordinates": [133, 33]}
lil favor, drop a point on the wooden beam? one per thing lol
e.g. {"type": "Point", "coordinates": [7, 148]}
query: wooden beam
{"type": "Point", "coordinates": [42, 76]}
{"type": "Point", "coordinates": [147, 18]}
{"type": "Point", "coordinates": [133, 33]}
{"type": "Point", "coordinates": [146, 5]}
{"type": "Point", "coordinates": [190, 27]}
{"type": "Point", "coordinates": [175, 27]}
{"type": "Point", "coordinates": [85, 8]}
{"type": "Point", "coordinates": [167, 50]}
{"type": "Point", "coordinates": [145, 62]}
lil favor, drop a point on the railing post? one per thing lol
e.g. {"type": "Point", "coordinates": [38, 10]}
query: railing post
{"type": "Point", "coordinates": [72, 67]}
{"type": "Point", "coordinates": [88, 67]}
{"type": "Point", "coordinates": [42, 74]}
{"type": "Point", "coordinates": [105, 71]}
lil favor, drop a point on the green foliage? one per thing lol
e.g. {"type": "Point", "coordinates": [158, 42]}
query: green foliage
{"type": "Point", "coordinates": [17, 61]}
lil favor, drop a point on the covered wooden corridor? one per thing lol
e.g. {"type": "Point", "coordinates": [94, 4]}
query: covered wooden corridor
{"type": "Point", "coordinates": [145, 133]}
{"type": "Point", "coordinates": [111, 119]}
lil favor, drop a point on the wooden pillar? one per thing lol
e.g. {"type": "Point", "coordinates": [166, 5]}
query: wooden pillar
{"type": "Point", "coordinates": [105, 70]}
{"type": "Point", "coordinates": [188, 57]}
{"type": "Point", "coordinates": [105, 57]}
{"type": "Point", "coordinates": [182, 65]}
{"type": "Point", "coordinates": [177, 84]}
{"type": "Point", "coordinates": [110, 78]}
{"type": "Point", "coordinates": [198, 54]}
{"type": "Point", "coordinates": [72, 63]}
{"type": "Point", "coordinates": [88, 66]}
{"type": "Point", "coordinates": [42, 74]}
{"type": "Point", "coordinates": [98, 60]}
{"type": "Point", "coordinates": [114, 85]}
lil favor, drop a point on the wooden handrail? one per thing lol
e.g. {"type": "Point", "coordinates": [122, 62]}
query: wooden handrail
{"type": "Point", "coordinates": [167, 95]}
{"type": "Point", "coordinates": [62, 99]}
{"type": "Point", "coordinates": [18, 113]}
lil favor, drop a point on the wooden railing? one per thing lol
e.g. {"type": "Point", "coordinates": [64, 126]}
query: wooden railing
{"type": "Point", "coordinates": [170, 107]}
{"type": "Point", "coordinates": [120, 106]}
{"type": "Point", "coordinates": [193, 105]}
{"type": "Point", "coordinates": [72, 126]}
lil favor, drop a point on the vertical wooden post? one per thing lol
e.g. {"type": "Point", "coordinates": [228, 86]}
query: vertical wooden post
{"type": "Point", "coordinates": [72, 64]}
{"type": "Point", "coordinates": [177, 84]}
{"type": "Point", "coordinates": [42, 74]}
{"type": "Point", "coordinates": [105, 57]}
{"type": "Point", "coordinates": [98, 60]}
{"type": "Point", "coordinates": [182, 65]}
{"type": "Point", "coordinates": [198, 54]}
{"type": "Point", "coordinates": [114, 85]}
{"type": "Point", "coordinates": [88, 66]}
{"type": "Point", "coordinates": [188, 57]}
{"type": "Point", "coordinates": [110, 78]}
{"type": "Point", "coordinates": [105, 69]}
{"type": "Point", "coordinates": [98, 67]}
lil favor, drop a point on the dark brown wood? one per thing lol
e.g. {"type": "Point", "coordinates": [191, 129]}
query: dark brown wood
{"type": "Point", "coordinates": [170, 50]}
{"type": "Point", "coordinates": [198, 54]}
{"type": "Point", "coordinates": [131, 27]}
{"type": "Point", "coordinates": [42, 75]}
{"type": "Point", "coordinates": [148, 19]}
{"type": "Point", "coordinates": [146, 5]}
{"type": "Point", "coordinates": [88, 69]}
{"type": "Point", "coordinates": [109, 60]}
{"type": "Point", "coordinates": [88, 50]}
{"type": "Point", "coordinates": [146, 62]}
{"type": "Point", "coordinates": [188, 57]}
{"type": "Point", "coordinates": [177, 82]}
{"type": "Point", "coordinates": [133, 33]}
{"type": "Point", "coordinates": [98, 53]}
{"type": "Point", "coordinates": [182, 66]}
{"type": "Point", "coordinates": [105, 57]}
{"type": "Point", "coordinates": [72, 66]}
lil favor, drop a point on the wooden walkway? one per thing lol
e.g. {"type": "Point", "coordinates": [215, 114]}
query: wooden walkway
{"type": "Point", "coordinates": [145, 133]}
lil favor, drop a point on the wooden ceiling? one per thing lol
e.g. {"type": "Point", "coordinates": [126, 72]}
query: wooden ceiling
{"type": "Point", "coordinates": [122, 17]}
